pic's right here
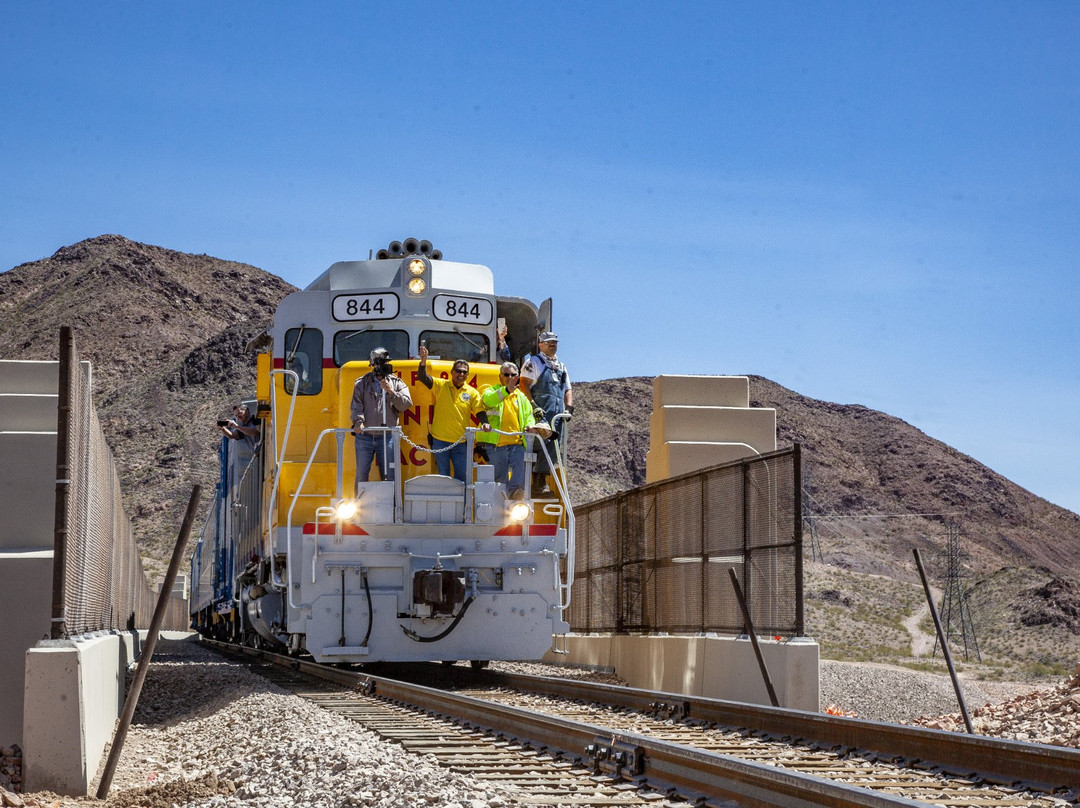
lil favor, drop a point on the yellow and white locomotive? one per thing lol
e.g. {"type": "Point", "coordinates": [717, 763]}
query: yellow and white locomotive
{"type": "Point", "coordinates": [298, 554]}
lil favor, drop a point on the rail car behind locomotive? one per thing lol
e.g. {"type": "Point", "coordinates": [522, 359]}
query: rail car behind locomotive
{"type": "Point", "coordinates": [298, 554]}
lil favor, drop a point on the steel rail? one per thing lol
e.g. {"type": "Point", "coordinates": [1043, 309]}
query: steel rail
{"type": "Point", "coordinates": [660, 765]}
{"type": "Point", "coordinates": [1044, 767]}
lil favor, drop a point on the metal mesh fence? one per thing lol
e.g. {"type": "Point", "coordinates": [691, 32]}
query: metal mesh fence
{"type": "Point", "coordinates": [656, 559]}
{"type": "Point", "coordinates": [98, 581]}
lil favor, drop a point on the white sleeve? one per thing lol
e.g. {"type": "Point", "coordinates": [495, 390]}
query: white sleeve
{"type": "Point", "coordinates": [529, 370]}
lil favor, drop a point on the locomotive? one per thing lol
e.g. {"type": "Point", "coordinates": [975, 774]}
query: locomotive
{"type": "Point", "coordinates": [298, 554]}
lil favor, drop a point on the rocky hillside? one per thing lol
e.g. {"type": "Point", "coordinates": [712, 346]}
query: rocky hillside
{"type": "Point", "coordinates": [167, 333]}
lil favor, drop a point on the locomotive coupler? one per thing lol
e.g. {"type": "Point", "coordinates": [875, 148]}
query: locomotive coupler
{"type": "Point", "coordinates": [441, 590]}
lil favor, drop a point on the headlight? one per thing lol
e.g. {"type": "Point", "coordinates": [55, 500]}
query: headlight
{"type": "Point", "coordinates": [346, 509]}
{"type": "Point", "coordinates": [416, 267]}
{"type": "Point", "coordinates": [417, 286]}
{"type": "Point", "coordinates": [520, 512]}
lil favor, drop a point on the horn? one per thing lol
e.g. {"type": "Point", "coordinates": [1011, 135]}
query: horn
{"type": "Point", "coordinates": [396, 250]}
{"type": "Point", "coordinates": [381, 254]}
{"type": "Point", "coordinates": [425, 247]}
{"type": "Point", "coordinates": [411, 246]}
{"type": "Point", "coordinates": [436, 255]}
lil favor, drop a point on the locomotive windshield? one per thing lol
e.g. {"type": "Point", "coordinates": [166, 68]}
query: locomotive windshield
{"type": "Point", "coordinates": [303, 354]}
{"type": "Point", "coordinates": [456, 345]}
{"type": "Point", "coordinates": [356, 346]}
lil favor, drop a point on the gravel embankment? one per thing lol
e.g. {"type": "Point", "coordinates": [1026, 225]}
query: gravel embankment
{"type": "Point", "coordinates": [211, 734]}
{"type": "Point", "coordinates": [886, 693]}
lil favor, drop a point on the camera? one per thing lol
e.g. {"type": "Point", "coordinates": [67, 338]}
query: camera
{"type": "Point", "coordinates": [222, 423]}
{"type": "Point", "coordinates": [382, 369]}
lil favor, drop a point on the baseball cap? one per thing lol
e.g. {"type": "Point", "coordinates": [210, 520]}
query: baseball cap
{"type": "Point", "coordinates": [548, 336]}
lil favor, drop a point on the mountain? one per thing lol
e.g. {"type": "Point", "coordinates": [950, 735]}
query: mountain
{"type": "Point", "coordinates": [167, 334]}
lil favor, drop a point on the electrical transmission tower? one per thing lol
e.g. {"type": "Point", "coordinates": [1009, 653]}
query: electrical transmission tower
{"type": "Point", "coordinates": [955, 608]}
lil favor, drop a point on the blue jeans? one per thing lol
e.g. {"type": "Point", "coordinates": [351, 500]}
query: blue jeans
{"type": "Point", "coordinates": [509, 463]}
{"type": "Point", "coordinates": [375, 447]}
{"type": "Point", "coordinates": [458, 456]}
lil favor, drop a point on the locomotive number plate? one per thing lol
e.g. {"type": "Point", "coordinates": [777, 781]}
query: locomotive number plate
{"type": "Point", "coordinates": [366, 307]}
{"type": "Point", "coordinates": [458, 309]}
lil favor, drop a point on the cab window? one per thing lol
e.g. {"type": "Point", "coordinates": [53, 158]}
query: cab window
{"type": "Point", "coordinates": [303, 355]}
{"type": "Point", "coordinates": [456, 345]}
{"type": "Point", "coordinates": [356, 346]}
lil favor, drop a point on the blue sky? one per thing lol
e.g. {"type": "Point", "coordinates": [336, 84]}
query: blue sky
{"type": "Point", "coordinates": [873, 202]}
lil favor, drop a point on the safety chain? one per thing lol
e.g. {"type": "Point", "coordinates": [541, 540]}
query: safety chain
{"type": "Point", "coordinates": [428, 449]}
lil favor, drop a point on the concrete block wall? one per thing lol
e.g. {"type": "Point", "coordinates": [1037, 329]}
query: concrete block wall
{"type": "Point", "coordinates": [700, 421]}
{"type": "Point", "coordinates": [27, 489]}
{"type": "Point", "coordinates": [28, 402]}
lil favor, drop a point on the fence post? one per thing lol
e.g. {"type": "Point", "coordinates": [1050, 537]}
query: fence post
{"type": "Point", "coordinates": [745, 467]}
{"type": "Point", "coordinates": [796, 473]}
{"type": "Point", "coordinates": [58, 628]}
{"type": "Point", "coordinates": [620, 567]}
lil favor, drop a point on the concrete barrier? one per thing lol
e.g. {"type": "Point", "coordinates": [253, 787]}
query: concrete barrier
{"type": "Point", "coordinates": [25, 606]}
{"type": "Point", "coordinates": [701, 421]}
{"type": "Point", "coordinates": [710, 666]}
{"type": "Point", "coordinates": [74, 694]}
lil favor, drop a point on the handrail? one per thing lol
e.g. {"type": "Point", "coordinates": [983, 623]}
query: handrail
{"type": "Point", "coordinates": [296, 499]}
{"type": "Point", "coordinates": [571, 546]}
{"type": "Point", "coordinates": [560, 486]}
{"type": "Point", "coordinates": [564, 588]}
{"type": "Point", "coordinates": [236, 594]}
{"type": "Point", "coordinates": [390, 456]}
{"type": "Point", "coordinates": [275, 580]}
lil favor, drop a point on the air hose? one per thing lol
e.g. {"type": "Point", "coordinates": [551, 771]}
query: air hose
{"type": "Point", "coordinates": [412, 635]}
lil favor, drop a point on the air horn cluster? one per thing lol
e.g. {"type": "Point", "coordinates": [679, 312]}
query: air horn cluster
{"type": "Point", "coordinates": [410, 246]}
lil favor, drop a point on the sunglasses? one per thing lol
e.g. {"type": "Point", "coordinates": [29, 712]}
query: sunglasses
{"type": "Point", "coordinates": [509, 375]}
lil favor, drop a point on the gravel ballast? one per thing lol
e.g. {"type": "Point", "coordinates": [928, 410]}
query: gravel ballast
{"type": "Point", "coordinates": [208, 733]}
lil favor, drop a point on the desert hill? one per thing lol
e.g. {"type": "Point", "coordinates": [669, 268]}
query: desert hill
{"type": "Point", "coordinates": [167, 334]}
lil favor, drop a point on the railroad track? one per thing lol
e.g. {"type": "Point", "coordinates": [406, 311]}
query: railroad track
{"type": "Point", "coordinates": [582, 744]}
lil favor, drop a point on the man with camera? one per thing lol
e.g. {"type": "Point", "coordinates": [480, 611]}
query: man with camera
{"type": "Point", "coordinates": [378, 397]}
{"type": "Point", "coordinates": [241, 427]}
{"type": "Point", "coordinates": [455, 402]}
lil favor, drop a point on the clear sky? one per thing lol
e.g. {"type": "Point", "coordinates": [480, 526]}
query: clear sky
{"type": "Point", "coordinates": [867, 202]}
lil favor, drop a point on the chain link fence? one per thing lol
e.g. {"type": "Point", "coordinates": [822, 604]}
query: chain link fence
{"type": "Point", "coordinates": [656, 559]}
{"type": "Point", "coordinates": [98, 578]}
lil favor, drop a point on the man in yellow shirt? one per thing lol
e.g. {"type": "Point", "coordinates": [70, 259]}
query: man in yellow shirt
{"type": "Point", "coordinates": [455, 402]}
